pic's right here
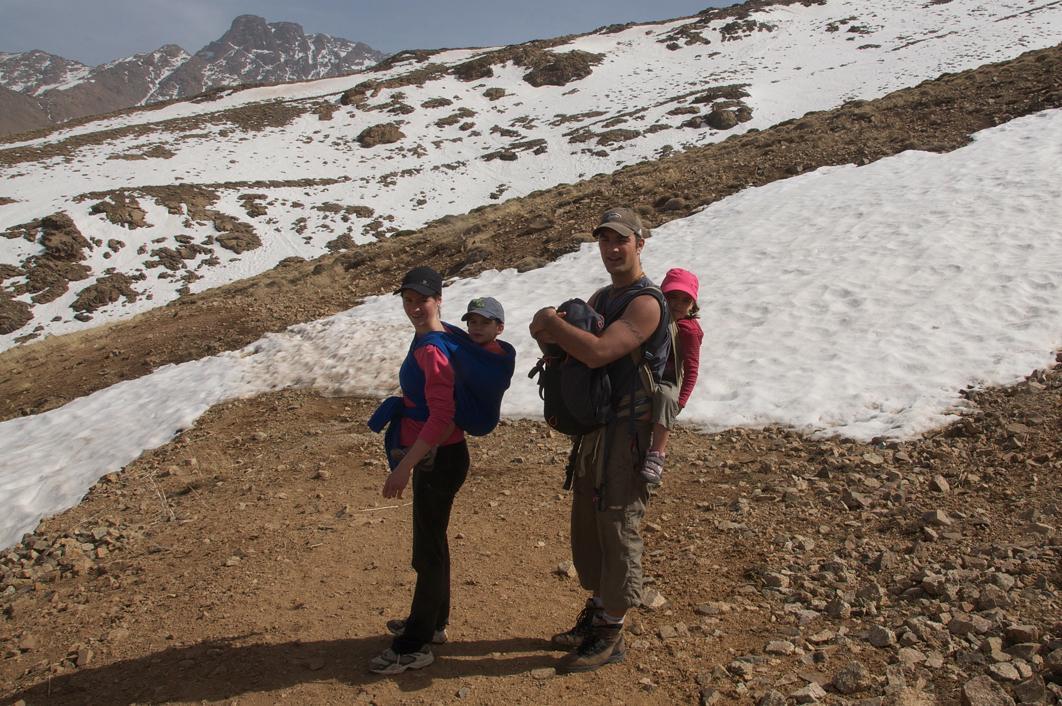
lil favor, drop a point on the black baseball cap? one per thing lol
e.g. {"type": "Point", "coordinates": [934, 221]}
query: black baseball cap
{"type": "Point", "coordinates": [423, 280]}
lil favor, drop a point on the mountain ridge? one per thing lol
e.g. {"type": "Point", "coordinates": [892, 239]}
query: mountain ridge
{"type": "Point", "coordinates": [58, 90]}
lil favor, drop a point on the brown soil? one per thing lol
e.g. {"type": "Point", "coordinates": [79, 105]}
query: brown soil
{"type": "Point", "coordinates": [527, 232]}
{"type": "Point", "coordinates": [252, 560]}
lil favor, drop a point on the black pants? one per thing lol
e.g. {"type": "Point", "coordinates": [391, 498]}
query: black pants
{"type": "Point", "coordinates": [434, 489]}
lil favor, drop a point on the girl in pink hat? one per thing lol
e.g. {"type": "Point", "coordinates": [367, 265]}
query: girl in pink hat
{"type": "Point", "coordinates": [680, 287]}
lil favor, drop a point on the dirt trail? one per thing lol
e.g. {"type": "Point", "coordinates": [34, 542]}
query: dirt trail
{"type": "Point", "coordinates": [527, 232]}
{"type": "Point", "coordinates": [252, 560]}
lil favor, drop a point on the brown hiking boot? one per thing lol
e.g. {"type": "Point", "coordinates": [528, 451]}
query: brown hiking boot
{"type": "Point", "coordinates": [583, 624]}
{"type": "Point", "coordinates": [604, 645]}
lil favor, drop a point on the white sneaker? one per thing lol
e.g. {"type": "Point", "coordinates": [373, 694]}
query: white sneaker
{"type": "Point", "coordinates": [390, 662]}
{"type": "Point", "coordinates": [653, 468]}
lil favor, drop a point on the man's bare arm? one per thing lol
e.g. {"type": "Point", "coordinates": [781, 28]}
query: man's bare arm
{"type": "Point", "coordinates": [624, 335]}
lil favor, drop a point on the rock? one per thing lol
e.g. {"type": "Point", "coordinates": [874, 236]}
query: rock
{"type": "Point", "coordinates": [810, 694]}
{"type": "Point", "coordinates": [881, 636]}
{"type": "Point", "coordinates": [382, 134]}
{"type": "Point", "coordinates": [852, 678]}
{"type": "Point", "coordinates": [837, 608]}
{"type": "Point", "coordinates": [822, 637]}
{"type": "Point", "coordinates": [939, 484]}
{"type": "Point", "coordinates": [653, 599]}
{"type": "Point", "coordinates": [910, 657]}
{"type": "Point", "coordinates": [871, 593]}
{"type": "Point", "coordinates": [240, 240]}
{"type": "Point", "coordinates": [982, 691]}
{"type": "Point", "coordinates": [667, 632]}
{"type": "Point", "coordinates": [992, 648]}
{"type": "Point", "coordinates": [543, 673]}
{"type": "Point", "coordinates": [993, 597]}
{"type": "Point", "coordinates": [722, 119]}
{"type": "Point", "coordinates": [1004, 671]}
{"type": "Point", "coordinates": [1017, 634]}
{"type": "Point", "coordinates": [885, 561]}
{"type": "Point", "coordinates": [1027, 651]}
{"type": "Point", "coordinates": [780, 647]}
{"type": "Point", "coordinates": [1031, 691]}
{"type": "Point", "coordinates": [774, 580]}
{"type": "Point", "coordinates": [710, 696]}
{"type": "Point", "coordinates": [962, 624]}
{"type": "Point", "coordinates": [564, 68]}
{"type": "Point", "coordinates": [105, 290]}
{"type": "Point", "coordinates": [464, 692]}
{"type": "Point", "coordinates": [358, 94]}
{"type": "Point", "coordinates": [936, 518]}
{"type": "Point", "coordinates": [771, 698]}
{"type": "Point", "coordinates": [934, 585]}
{"type": "Point", "coordinates": [713, 609]}
{"type": "Point", "coordinates": [855, 501]}
{"type": "Point", "coordinates": [1053, 662]}
{"type": "Point", "coordinates": [29, 643]}
{"type": "Point", "coordinates": [673, 204]}
{"type": "Point", "coordinates": [566, 568]}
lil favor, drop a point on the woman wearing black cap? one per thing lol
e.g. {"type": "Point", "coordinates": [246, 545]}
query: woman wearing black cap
{"type": "Point", "coordinates": [437, 458]}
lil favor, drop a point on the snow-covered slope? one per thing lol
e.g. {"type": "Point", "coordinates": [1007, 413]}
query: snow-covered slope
{"type": "Point", "coordinates": [254, 176]}
{"type": "Point", "coordinates": [852, 300]}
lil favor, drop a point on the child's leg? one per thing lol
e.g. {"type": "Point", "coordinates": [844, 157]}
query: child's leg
{"type": "Point", "coordinates": [659, 443]}
{"type": "Point", "coordinates": [665, 409]}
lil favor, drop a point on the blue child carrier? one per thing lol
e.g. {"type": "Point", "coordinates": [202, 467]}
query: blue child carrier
{"type": "Point", "coordinates": [481, 378]}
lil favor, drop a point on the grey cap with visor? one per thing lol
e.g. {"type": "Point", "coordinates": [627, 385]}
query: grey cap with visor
{"type": "Point", "coordinates": [487, 307]}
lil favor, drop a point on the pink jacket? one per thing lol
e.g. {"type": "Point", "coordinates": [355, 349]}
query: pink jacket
{"type": "Point", "coordinates": [690, 336]}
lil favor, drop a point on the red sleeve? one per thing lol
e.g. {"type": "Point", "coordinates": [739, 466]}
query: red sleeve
{"type": "Point", "coordinates": [439, 392]}
{"type": "Point", "coordinates": [690, 336]}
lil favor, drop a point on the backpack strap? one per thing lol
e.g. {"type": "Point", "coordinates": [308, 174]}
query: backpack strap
{"type": "Point", "coordinates": [642, 359]}
{"type": "Point", "coordinates": [643, 355]}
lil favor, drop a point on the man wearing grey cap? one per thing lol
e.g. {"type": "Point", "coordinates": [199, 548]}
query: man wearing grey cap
{"type": "Point", "coordinates": [609, 494]}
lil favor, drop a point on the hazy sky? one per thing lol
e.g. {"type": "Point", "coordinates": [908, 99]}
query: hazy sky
{"type": "Point", "coordinates": [96, 31]}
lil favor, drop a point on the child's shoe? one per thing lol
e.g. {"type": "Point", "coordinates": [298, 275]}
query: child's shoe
{"type": "Point", "coordinates": [653, 468]}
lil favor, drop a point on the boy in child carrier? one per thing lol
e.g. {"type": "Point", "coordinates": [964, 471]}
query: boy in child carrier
{"type": "Point", "coordinates": [485, 320]}
{"type": "Point", "coordinates": [680, 375]}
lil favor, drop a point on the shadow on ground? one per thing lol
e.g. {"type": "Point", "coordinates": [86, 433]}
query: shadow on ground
{"type": "Point", "coordinates": [220, 669]}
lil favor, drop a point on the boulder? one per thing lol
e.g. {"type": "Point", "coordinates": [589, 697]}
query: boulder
{"type": "Point", "coordinates": [382, 134]}
{"type": "Point", "coordinates": [983, 691]}
{"type": "Point", "coordinates": [563, 69]}
{"type": "Point", "coordinates": [722, 119]}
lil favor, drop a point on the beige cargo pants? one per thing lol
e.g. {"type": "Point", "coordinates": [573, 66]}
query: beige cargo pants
{"type": "Point", "coordinates": [606, 537]}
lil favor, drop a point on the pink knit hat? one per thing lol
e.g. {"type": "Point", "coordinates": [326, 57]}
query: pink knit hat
{"type": "Point", "coordinates": [679, 280]}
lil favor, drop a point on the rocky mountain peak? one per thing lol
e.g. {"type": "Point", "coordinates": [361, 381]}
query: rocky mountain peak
{"type": "Point", "coordinates": [252, 50]}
